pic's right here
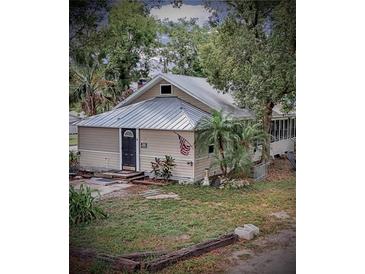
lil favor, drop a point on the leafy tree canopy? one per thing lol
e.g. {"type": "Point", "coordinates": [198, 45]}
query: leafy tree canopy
{"type": "Point", "coordinates": [181, 50]}
{"type": "Point", "coordinates": [106, 57]}
{"type": "Point", "coordinates": [129, 41]}
{"type": "Point", "coordinates": [85, 18]}
{"type": "Point", "coordinates": [252, 55]}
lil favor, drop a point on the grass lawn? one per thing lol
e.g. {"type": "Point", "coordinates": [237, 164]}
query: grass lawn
{"type": "Point", "coordinates": [73, 140]}
{"type": "Point", "coordinates": [138, 224]}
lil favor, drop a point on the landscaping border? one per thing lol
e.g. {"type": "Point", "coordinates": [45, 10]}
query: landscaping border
{"type": "Point", "coordinates": [135, 261]}
{"type": "Point", "coordinates": [188, 252]}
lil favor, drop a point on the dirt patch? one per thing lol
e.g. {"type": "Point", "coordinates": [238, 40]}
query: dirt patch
{"type": "Point", "coordinates": [271, 254]}
{"type": "Point", "coordinates": [280, 170]}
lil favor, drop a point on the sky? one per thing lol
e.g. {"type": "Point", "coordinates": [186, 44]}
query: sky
{"type": "Point", "coordinates": [187, 10]}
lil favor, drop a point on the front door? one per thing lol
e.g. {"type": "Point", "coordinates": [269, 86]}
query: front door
{"type": "Point", "coordinates": [129, 149]}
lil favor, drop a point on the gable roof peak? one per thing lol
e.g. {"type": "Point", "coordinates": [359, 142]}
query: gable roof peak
{"type": "Point", "coordinates": [198, 88]}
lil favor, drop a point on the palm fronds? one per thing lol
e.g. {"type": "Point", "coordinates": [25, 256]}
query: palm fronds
{"type": "Point", "coordinates": [234, 140]}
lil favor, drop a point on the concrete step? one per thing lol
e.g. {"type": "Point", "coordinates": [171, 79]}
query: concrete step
{"type": "Point", "coordinates": [140, 177]}
{"type": "Point", "coordinates": [122, 175]}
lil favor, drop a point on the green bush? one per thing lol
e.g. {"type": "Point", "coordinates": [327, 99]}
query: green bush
{"type": "Point", "coordinates": [82, 206]}
{"type": "Point", "coordinates": [73, 159]}
{"type": "Point", "coordinates": [156, 166]}
{"type": "Point", "coordinates": [163, 168]}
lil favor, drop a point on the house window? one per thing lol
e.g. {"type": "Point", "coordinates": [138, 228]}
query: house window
{"type": "Point", "coordinates": [211, 149]}
{"type": "Point", "coordinates": [128, 133]}
{"type": "Point", "coordinates": [165, 89]}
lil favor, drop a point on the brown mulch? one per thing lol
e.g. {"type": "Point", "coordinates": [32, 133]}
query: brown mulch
{"type": "Point", "coordinates": [280, 170]}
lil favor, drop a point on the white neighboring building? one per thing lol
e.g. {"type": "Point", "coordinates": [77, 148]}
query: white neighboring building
{"type": "Point", "coordinates": [73, 118]}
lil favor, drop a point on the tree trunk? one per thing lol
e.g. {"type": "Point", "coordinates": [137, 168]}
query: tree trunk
{"type": "Point", "coordinates": [222, 165]}
{"type": "Point", "coordinates": [266, 123]}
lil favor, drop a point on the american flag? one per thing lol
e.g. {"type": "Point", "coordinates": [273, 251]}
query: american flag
{"type": "Point", "coordinates": [184, 145]}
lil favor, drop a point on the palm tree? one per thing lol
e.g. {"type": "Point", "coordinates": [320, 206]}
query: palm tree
{"type": "Point", "coordinates": [233, 138]}
{"type": "Point", "coordinates": [240, 155]}
{"type": "Point", "coordinates": [87, 82]}
{"type": "Point", "coordinates": [249, 133]}
{"type": "Point", "coordinates": [218, 130]}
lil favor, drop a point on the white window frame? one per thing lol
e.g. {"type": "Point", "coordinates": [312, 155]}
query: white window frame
{"type": "Point", "coordinates": [172, 90]}
{"type": "Point", "coordinates": [120, 149]}
{"type": "Point", "coordinates": [137, 150]}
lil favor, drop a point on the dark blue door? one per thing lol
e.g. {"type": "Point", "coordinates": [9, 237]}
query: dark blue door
{"type": "Point", "coordinates": [129, 148]}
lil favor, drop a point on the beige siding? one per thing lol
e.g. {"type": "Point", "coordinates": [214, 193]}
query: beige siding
{"type": "Point", "coordinates": [161, 143]}
{"type": "Point", "coordinates": [99, 148]}
{"type": "Point", "coordinates": [99, 139]}
{"type": "Point", "coordinates": [155, 91]}
{"type": "Point", "coordinates": [99, 160]}
{"type": "Point", "coordinates": [202, 163]}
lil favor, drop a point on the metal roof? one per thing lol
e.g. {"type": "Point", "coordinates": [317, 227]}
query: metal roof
{"type": "Point", "coordinates": [165, 113]}
{"type": "Point", "coordinates": [277, 112]}
{"type": "Point", "coordinates": [198, 88]}
{"type": "Point", "coordinates": [72, 119]}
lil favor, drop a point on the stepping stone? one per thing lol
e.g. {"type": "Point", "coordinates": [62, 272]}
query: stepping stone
{"type": "Point", "coordinates": [244, 233]}
{"type": "Point", "coordinates": [163, 196]}
{"type": "Point", "coordinates": [150, 193]}
{"type": "Point", "coordinates": [255, 229]}
{"type": "Point", "coordinates": [156, 194]}
{"type": "Point", "coordinates": [247, 232]}
{"type": "Point", "coordinates": [280, 215]}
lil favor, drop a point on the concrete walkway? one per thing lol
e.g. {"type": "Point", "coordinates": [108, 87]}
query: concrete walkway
{"type": "Point", "coordinates": [103, 189]}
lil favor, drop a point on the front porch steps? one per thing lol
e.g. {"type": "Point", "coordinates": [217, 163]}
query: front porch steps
{"type": "Point", "coordinates": [121, 177]}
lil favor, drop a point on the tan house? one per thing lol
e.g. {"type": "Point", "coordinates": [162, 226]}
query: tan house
{"type": "Point", "coordinates": [160, 119]}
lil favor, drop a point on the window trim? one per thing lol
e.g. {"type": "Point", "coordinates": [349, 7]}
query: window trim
{"type": "Point", "coordinates": [172, 91]}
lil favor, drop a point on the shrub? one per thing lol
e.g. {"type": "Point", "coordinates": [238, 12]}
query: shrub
{"type": "Point", "coordinates": [82, 206]}
{"type": "Point", "coordinates": [163, 168]}
{"type": "Point", "coordinates": [156, 165]}
{"type": "Point", "coordinates": [73, 158]}
{"type": "Point", "coordinates": [167, 166]}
